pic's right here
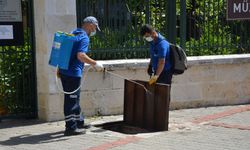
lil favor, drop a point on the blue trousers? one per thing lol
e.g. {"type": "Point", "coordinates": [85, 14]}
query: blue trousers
{"type": "Point", "coordinates": [165, 77]}
{"type": "Point", "coordinates": [72, 109]}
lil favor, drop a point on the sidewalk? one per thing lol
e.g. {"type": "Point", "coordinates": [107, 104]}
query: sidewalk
{"type": "Point", "coordinates": [213, 128]}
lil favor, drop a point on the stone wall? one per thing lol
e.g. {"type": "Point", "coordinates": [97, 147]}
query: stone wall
{"type": "Point", "coordinates": [213, 80]}
{"type": "Point", "coordinates": [209, 81]}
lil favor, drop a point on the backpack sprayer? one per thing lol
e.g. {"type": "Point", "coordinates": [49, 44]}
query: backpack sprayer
{"type": "Point", "coordinates": [62, 48]}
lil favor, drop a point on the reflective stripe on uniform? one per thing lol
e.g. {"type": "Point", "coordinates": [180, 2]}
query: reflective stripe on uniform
{"type": "Point", "coordinates": [73, 96]}
{"type": "Point", "coordinates": [72, 117]}
{"type": "Point", "coordinates": [69, 116]}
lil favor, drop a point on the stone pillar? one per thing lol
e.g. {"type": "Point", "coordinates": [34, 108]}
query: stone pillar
{"type": "Point", "coordinates": [49, 17]}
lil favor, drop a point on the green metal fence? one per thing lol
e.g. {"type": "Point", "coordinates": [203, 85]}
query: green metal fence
{"type": "Point", "coordinates": [17, 73]}
{"type": "Point", "coordinates": [120, 23]}
{"type": "Point", "coordinates": [200, 26]}
{"type": "Point", "coordinates": [209, 33]}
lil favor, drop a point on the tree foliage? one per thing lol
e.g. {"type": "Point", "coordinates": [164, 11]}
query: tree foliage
{"type": "Point", "coordinates": [15, 73]}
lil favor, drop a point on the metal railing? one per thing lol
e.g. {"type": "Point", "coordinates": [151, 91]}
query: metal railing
{"type": "Point", "coordinates": [199, 26]}
{"type": "Point", "coordinates": [209, 33]}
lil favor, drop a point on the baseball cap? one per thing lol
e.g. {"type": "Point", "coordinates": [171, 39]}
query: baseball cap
{"type": "Point", "coordinates": [91, 19]}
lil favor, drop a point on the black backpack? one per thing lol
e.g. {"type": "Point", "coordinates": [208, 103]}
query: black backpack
{"type": "Point", "coordinates": [178, 59]}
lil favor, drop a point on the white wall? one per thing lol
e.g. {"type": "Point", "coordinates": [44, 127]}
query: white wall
{"type": "Point", "coordinates": [209, 81]}
{"type": "Point", "coordinates": [213, 80]}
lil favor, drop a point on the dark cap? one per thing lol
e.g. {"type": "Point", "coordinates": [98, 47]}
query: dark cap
{"type": "Point", "coordinates": [91, 19]}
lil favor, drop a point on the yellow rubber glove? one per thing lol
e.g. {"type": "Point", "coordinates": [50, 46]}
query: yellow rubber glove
{"type": "Point", "coordinates": [153, 80]}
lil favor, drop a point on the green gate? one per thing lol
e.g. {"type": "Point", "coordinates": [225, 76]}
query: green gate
{"type": "Point", "coordinates": [200, 26]}
{"type": "Point", "coordinates": [17, 72]}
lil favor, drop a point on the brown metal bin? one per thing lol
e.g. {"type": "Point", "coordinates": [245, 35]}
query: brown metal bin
{"type": "Point", "coordinates": [146, 106]}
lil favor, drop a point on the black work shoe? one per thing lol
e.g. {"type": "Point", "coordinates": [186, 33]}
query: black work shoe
{"type": "Point", "coordinates": [74, 132]}
{"type": "Point", "coordinates": [84, 126]}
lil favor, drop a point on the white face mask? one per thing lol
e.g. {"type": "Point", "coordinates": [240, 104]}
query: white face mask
{"type": "Point", "coordinates": [92, 33]}
{"type": "Point", "coordinates": [149, 39]}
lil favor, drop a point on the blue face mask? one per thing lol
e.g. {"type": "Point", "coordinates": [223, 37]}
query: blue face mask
{"type": "Point", "coordinates": [92, 33]}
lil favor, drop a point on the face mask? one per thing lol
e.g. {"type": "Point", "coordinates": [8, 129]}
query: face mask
{"type": "Point", "coordinates": [92, 33]}
{"type": "Point", "coordinates": [149, 39]}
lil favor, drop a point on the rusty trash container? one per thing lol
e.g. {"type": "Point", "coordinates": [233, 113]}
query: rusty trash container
{"type": "Point", "coordinates": [146, 106]}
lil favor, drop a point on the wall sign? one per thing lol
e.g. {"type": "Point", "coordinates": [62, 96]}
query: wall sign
{"type": "Point", "coordinates": [10, 11]}
{"type": "Point", "coordinates": [6, 32]}
{"type": "Point", "coordinates": [238, 9]}
{"type": "Point", "coordinates": [11, 23]}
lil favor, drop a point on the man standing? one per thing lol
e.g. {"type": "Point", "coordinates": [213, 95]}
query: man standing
{"type": "Point", "coordinates": [159, 56]}
{"type": "Point", "coordinates": [71, 78]}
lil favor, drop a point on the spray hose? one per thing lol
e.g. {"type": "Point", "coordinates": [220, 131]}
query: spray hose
{"type": "Point", "coordinates": [85, 75]}
{"type": "Point", "coordinates": [122, 77]}
{"type": "Point", "coordinates": [61, 90]}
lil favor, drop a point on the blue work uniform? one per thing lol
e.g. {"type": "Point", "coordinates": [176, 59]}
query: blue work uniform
{"type": "Point", "coordinates": [161, 49]}
{"type": "Point", "coordinates": [71, 80]}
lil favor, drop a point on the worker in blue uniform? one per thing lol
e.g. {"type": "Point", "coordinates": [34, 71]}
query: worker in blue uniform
{"type": "Point", "coordinates": [159, 67]}
{"type": "Point", "coordinates": [71, 78]}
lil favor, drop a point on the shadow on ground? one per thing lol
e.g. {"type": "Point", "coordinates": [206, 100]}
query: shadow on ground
{"type": "Point", "coordinates": [11, 123]}
{"type": "Point", "coordinates": [34, 139]}
{"type": "Point", "coordinates": [121, 127]}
